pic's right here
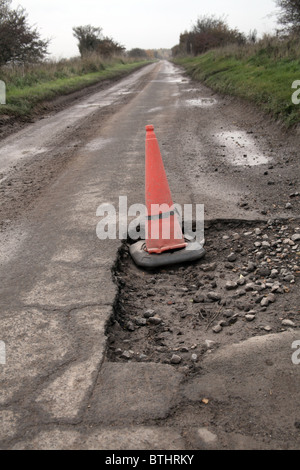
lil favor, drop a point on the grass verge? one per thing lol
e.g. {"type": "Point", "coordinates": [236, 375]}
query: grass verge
{"type": "Point", "coordinates": [260, 75]}
{"type": "Point", "coordinates": [26, 89]}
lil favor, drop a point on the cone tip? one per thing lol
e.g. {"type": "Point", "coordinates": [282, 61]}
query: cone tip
{"type": "Point", "coordinates": [150, 128]}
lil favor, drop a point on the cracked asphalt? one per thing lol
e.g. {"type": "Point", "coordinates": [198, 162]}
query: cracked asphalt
{"type": "Point", "coordinates": [57, 388]}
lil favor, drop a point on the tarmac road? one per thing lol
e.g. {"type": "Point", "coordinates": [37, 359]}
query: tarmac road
{"type": "Point", "coordinates": [57, 290]}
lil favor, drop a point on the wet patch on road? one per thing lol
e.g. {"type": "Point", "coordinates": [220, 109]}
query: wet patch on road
{"type": "Point", "coordinates": [241, 149]}
{"type": "Point", "coordinates": [97, 144]}
{"type": "Point", "coordinates": [201, 102]}
{"type": "Point", "coordinates": [190, 90]}
{"type": "Point", "coordinates": [246, 286]}
{"type": "Point", "coordinates": [155, 110]}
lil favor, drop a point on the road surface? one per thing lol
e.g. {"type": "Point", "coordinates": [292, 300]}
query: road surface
{"type": "Point", "coordinates": [59, 388]}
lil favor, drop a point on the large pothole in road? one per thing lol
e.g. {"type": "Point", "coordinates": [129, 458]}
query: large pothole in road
{"type": "Point", "coordinates": [246, 286]}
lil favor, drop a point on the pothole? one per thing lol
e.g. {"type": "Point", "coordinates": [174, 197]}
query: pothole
{"type": "Point", "coordinates": [202, 102]}
{"type": "Point", "coordinates": [246, 286]}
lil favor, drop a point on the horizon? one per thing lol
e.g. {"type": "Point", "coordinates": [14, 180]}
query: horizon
{"type": "Point", "coordinates": [167, 19]}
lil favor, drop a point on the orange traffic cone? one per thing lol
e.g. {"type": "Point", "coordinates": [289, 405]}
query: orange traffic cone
{"type": "Point", "coordinates": [165, 244]}
{"type": "Point", "coordinates": [163, 232]}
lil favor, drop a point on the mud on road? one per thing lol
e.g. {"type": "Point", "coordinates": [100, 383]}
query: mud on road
{"type": "Point", "coordinates": [24, 181]}
{"type": "Point", "coordinates": [12, 124]}
{"type": "Point", "coordinates": [226, 150]}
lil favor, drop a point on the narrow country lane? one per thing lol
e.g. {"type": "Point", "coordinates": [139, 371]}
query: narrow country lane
{"type": "Point", "coordinates": [59, 388]}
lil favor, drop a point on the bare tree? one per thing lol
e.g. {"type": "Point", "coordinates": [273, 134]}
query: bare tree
{"type": "Point", "coordinates": [252, 36]}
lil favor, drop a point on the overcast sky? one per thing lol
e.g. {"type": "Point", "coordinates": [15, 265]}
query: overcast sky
{"type": "Point", "coordinates": [138, 23]}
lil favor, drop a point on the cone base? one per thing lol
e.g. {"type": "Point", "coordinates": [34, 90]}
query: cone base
{"type": "Point", "coordinates": [192, 252]}
{"type": "Point", "coordinates": [179, 246]}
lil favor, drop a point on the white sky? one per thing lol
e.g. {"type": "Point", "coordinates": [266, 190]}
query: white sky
{"type": "Point", "coordinates": [139, 23]}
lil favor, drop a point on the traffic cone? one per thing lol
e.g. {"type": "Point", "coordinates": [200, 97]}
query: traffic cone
{"type": "Point", "coordinates": [165, 244]}
{"type": "Point", "coordinates": [163, 232]}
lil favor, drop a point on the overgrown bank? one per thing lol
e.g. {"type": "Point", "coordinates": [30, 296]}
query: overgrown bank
{"type": "Point", "coordinates": [27, 87]}
{"type": "Point", "coordinates": [262, 73]}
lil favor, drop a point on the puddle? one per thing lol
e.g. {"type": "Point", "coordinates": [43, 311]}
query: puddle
{"type": "Point", "coordinates": [190, 90]}
{"type": "Point", "coordinates": [202, 102]}
{"type": "Point", "coordinates": [168, 80]}
{"type": "Point", "coordinates": [240, 149]}
{"type": "Point", "coordinates": [171, 78]}
{"type": "Point", "coordinates": [171, 74]}
{"type": "Point", "coordinates": [96, 105]}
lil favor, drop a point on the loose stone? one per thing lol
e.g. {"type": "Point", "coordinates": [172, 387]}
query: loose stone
{"type": "Point", "coordinates": [250, 318]}
{"type": "Point", "coordinates": [141, 321]}
{"type": "Point", "coordinates": [232, 257]}
{"type": "Point", "coordinates": [231, 285]}
{"type": "Point", "coordinates": [176, 359]}
{"type": "Point", "coordinates": [214, 296]}
{"type": "Point", "coordinates": [217, 329]}
{"type": "Point", "coordinates": [149, 313]}
{"type": "Point", "coordinates": [288, 323]}
{"type": "Point", "coordinates": [127, 354]}
{"type": "Point", "coordinates": [155, 320]}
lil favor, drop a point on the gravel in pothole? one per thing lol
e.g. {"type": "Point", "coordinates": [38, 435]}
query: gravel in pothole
{"type": "Point", "coordinates": [244, 287]}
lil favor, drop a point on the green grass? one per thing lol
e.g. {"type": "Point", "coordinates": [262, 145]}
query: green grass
{"type": "Point", "coordinates": [261, 75]}
{"type": "Point", "coordinates": [25, 89]}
